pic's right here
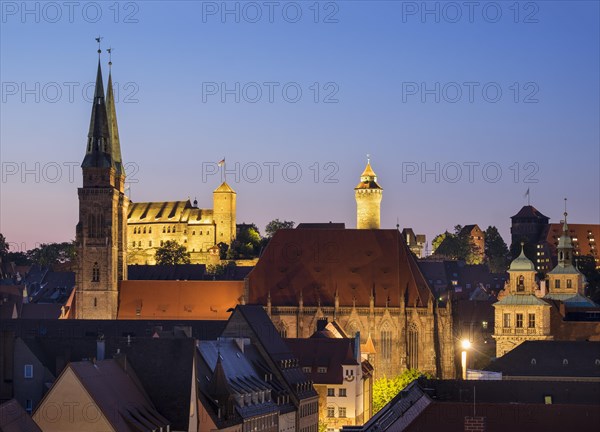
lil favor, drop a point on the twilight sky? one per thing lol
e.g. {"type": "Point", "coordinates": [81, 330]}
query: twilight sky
{"type": "Point", "coordinates": [462, 106]}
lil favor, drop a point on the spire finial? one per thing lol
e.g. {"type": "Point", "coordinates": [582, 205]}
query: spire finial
{"type": "Point", "coordinates": [109, 51]}
{"type": "Point", "coordinates": [368, 158]}
{"type": "Point", "coordinates": [565, 209]}
{"type": "Point", "coordinates": [99, 40]}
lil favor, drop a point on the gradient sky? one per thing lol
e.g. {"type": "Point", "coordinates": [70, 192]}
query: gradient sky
{"type": "Point", "coordinates": [170, 130]}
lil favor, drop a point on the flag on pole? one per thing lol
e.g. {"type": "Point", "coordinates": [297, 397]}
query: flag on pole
{"type": "Point", "coordinates": [221, 162]}
{"type": "Point", "coordinates": [526, 193]}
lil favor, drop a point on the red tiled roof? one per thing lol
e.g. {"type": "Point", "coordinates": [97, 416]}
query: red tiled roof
{"type": "Point", "coordinates": [316, 263]}
{"type": "Point", "coordinates": [584, 233]}
{"type": "Point", "coordinates": [179, 299]}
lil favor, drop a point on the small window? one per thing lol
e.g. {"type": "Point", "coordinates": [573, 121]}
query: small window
{"type": "Point", "coordinates": [342, 392]}
{"type": "Point", "coordinates": [28, 372]}
{"type": "Point", "coordinates": [531, 323]}
{"type": "Point", "coordinates": [322, 369]}
{"type": "Point", "coordinates": [565, 362]}
{"type": "Point", "coordinates": [164, 230]}
{"type": "Point", "coordinates": [150, 230]}
{"type": "Point", "coordinates": [330, 392]}
{"type": "Point", "coordinates": [342, 412]}
{"type": "Point", "coordinates": [29, 406]}
{"type": "Point", "coordinates": [557, 283]}
{"type": "Point", "coordinates": [519, 320]}
{"type": "Point", "coordinates": [307, 369]}
{"type": "Point", "coordinates": [144, 230]}
{"type": "Point", "coordinates": [506, 320]}
{"type": "Point", "coordinates": [569, 283]}
{"type": "Point", "coordinates": [150, 243]}
{"type": "Point", "coordinates": [330, 412]}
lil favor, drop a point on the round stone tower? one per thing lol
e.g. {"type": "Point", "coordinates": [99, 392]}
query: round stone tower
{"type": "Point", "coordinates": [368, 200]}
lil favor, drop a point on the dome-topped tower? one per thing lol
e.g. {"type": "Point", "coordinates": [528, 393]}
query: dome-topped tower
{"type": "Point", "coordinates": [522, 275]}
{"type": "Point", "coordinates": [368, 196]}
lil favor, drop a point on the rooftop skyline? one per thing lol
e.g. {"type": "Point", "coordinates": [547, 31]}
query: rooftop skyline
{"type": "Point", "coordinates": [494, 101]}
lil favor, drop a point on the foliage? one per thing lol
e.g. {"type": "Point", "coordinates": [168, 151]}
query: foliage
{"type": "Point", "coordinates": [496, 251]}
{"type": "Point", "coordinates": [220, 269]}
{"type": "Point", "coordinates": [437, 240]}
{"type": "Point", "coordinates": [457, 246]}
{"type": "Point", "coordinates": [171, 253]}
{"type": "Point", "coordinates": [384, 389]}
{"type": "Point", "coordinates": [322, 426]}
{"type": "Point", "coordinates": [276, 224]}
{"type": "Point", "coordinates": [247, 243]}
{"type": "Point", "coordinates": [587, 265]}
{"type": "Point", "coordinates": [3, 246]}
{"type": "Point", "coordinates": [47, 255]}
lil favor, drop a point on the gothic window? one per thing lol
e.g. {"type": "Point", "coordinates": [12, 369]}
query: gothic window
{"type": "Point", "coordinates": [521, 284]}
{"type": "Point", "coordinates": [569, 283]}
{"type": "Point", "coordinates": [164, 230]}
{"type": "Point", "coordinates": [413, 347]}
{"type": "Point", "coordinates": [169, 230]}
{"type": "Point", "coordinates": [557, 283]}
{"type": "Point", "coordinates": [95, 273]}
{"type": "Point", "coordinates": [95, 225]}
{"type": "Point", "coordinates": [531, 323]}
{"type": "Point", "coordinates": [150, 243]}
{"type": "Point", "coordinates": [519, 320]}
{"type": "Point", "coordinates": [386, 344]}
{"type": "Point", "coordinates": [135, 230]}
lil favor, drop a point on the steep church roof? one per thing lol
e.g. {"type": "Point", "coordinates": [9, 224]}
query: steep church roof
{"type": "Point", "coordinates": [314, 263]}
{"type": "Point", "coordinates": [111, 115]}
{"type": "Point", "coordinates": [167, 212]}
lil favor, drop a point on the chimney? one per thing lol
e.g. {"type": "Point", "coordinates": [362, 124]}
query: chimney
{"type": "Point", "coordinates": [100, 349]}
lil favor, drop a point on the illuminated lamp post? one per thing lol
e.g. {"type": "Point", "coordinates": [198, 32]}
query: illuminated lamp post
{"type": "Point", "coordinates": [463, 357]}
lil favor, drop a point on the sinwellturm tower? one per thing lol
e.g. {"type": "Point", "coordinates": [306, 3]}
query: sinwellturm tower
{"type": "Point", "coordinates": [368, 196]}
{"type": "Point", "coordinates": [101, 234]}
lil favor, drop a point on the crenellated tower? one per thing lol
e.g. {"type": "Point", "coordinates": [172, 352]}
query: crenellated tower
{"type": "Point", "coordinates": [368, 196]}
{"type": "Point", "coordinates": [101, 234]}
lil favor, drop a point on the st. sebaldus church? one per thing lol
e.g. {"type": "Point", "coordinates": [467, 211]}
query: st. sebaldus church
{"type": "Point", "coordinates": [364, 279]}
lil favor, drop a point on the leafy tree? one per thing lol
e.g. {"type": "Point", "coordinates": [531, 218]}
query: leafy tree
{"type": "Point", "coordinates": [3, 246]}
{"type": "Point", "coordinates": [385, 389]}
{"type": "Point", "coordinates": [50, 254]}
{"type": "Point", "coordinates": [171, 253]}
{"type": "Point", "coordinates": [276, 224]}
{"type": "Point", "coordinates": [457, 246]}
{"type": "Point", "coordinates": [214, 270]}
{"type": "Point", "coordinates": [247, 243]}
{"type": "Point", "coordinates": [496, 251]}
{"type": "Point", "coordinates": [587, 265]}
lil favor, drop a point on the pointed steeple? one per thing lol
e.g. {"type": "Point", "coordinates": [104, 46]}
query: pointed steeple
{"type": "Point", "coordinates": [113, 127]}
{"type": "Point", "coordinates": [99, 147]}
{"type": "Point", "coordinates": [565, 244]}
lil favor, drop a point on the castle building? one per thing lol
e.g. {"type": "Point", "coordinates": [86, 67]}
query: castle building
{"type": "Point", "coordinates": [368, 196]}
{"type": "Point", "coordinates": [151, 224]}
{"type": "Point", "coordinates": [366, 280]}
{"type": "Point", "coordinates": [101, 233]}
{"type": "Point", "coordinates": [556, 309]}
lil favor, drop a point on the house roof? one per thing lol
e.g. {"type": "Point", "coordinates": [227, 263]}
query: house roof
{"type": "Point", "coordinates": [13, 418]}
{"type": "Point", "coordinates": [547, 359]}
{"type": "Point", "coordinates": [331, 353]}
{"type": "Point", "coordinates": [322, 225]}
{"type": "Point", "coordinates": [167, 212]}
{"type": "Point", "coordinates": [178, 299]}
{"type": "Point", "coordinates": [115, 391]}
{"type": "Point", "coordinates": [316, 263]}
{"type": "Point", "coordinates": [521, 299]}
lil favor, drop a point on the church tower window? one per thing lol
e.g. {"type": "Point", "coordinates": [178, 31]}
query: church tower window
{"type": "Point", "coordinates": [521, 284]}
{"type": "Point", "coordinates": [96, 273]}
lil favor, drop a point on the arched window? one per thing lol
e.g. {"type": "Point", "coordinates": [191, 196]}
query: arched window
{"type": "Point", "coordinates": [150, 230]}
{"type": "Point", "coordinates": [95, 273]}
{"type": "Point", "coordinates": [386, 343]}
{"type": "Point", "coordinates": [413, 346]}
{"type": "Point", "coordinates": [95, 302]}
{"type": "Point", "coordinates": [150, 243]}
{"type": "Point", "coordinates": [164, 230]}
{"type": "Point", "coordinates": [144, 230]}
{"type": "Point", "coordinates": [521, 284]}
{"type": "Point", "coordinates": [169, 230]}
{"type": "Point", "coordinates": [135, 230]}
{"type": "Point", "coordinates": [282, 329]}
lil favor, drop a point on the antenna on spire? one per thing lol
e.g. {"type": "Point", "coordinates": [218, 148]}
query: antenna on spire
{"type": "Point", "coordinates": [99, 40]}
{"type": "Point", "coordinates": [109, 51]}
{"type": "Point", "coordinates": [368, 158]}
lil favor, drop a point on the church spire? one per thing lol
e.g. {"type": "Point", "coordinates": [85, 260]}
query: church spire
{"type": "Point", "coordinates": [565, 244]}
{"type": "Point", "coordinates": [113, 127]}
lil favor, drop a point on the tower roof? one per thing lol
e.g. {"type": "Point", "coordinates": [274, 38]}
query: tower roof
{"type": "Point", "coordinates": [368, 179]}
{"type": "Point", "coordinates": [224, 188]}
{"type": "Point", "coordinates": [99, 151]}
{"type": "Point", "coordinates": [113, 128]}
{"type": "Point", "coordinates": [529, 211]}
{"type": "Point", "coordinates": [521, 263]}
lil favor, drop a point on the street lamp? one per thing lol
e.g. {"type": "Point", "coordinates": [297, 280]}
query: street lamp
{"type": "Point", "coordinates": [463, 357]}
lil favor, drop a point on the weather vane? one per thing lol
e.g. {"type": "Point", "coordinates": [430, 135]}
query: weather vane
{"type": "Point", "coordinates": [99, 39]}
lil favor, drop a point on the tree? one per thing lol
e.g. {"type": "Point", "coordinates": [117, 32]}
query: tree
{"type": "Point", "coordinates": [457, 246]}
{"type": "Point", "coordinates": [3, 246]}
{"type": "Point", "coordinates": [384, 389]}
{"type": "Point", "coordinates": [275, 225]}
{"type": "Point", "coordinates": [50, 254]}
{"type": "Point", "coordinates": [171, 253]}
{"type": "Point", "coordinates": [496, 251]}
{"type": "Point", "coordinates": [586, 264]}
{"type": "Point", "coordinates": [437, 240]}
{"type": "Point", "coordinates": [247, 243]}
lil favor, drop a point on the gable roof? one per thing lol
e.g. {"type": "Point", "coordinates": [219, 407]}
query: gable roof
{"type": "Point", "coordinates": [356, 262]}
{"type": "Point", "coordinates": [13, 418]}
{"type": "Point", "coordinates": [166, 272]}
